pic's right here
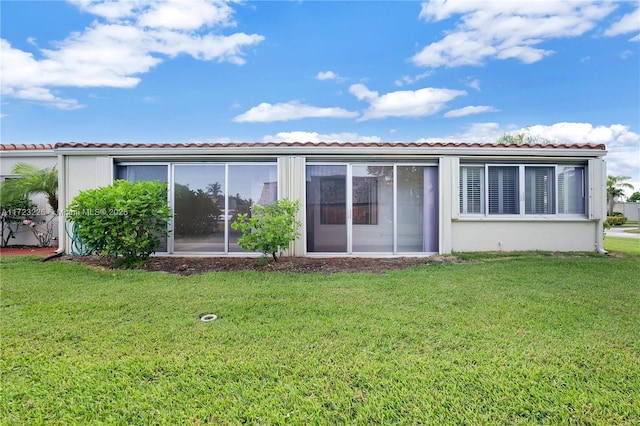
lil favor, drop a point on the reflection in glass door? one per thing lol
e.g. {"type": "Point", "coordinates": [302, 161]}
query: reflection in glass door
{"type": "Point", "coordinates": [327, 209]}
{"type": "Point", "coordinates": [248, 184]}
{"type": "Point", "coordinates": [198, 208]}
{"type": "Point", "coordinates": [417, 227]}
{"type": "Point", "coordinates": [372, 208]}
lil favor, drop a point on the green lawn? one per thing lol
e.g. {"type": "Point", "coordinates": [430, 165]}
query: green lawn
{"type": "Point", "coordinates": [532, 338]}
{"type": "Point", "coordinates": [622, 245]}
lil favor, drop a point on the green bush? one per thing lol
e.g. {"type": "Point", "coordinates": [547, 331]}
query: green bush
{"type": "Point", "coordinates": [270, 228]}
{"type": "Point", "coordinates": [616, 220]}
{"type": "Point", "coordinates": [125, 219]}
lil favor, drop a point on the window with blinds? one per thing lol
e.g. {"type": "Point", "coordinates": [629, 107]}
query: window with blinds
{"type": "Point", "coordinates": [539, 190]}
{"type": "Point", "coordinates": [472, 190]}
{"type": "Point", "coordinates": [503, 188]}
{"type": "Point", "coordinates": [571, 190]}
{"type": "Point", "coordinates": [495, 189]}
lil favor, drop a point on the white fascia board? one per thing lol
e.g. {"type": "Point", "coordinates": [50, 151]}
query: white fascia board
{"type": "Point", "coordinates": [41, 153]}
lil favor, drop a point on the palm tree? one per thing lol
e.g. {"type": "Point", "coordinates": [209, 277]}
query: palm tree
{"type": "Point", "coordinates": [33, 180]}
{"type": "Point", "coordinates": [615, 189]}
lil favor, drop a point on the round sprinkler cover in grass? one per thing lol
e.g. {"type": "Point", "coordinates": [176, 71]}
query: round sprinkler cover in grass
{"type": "Point", "coordinates": [208, 317]}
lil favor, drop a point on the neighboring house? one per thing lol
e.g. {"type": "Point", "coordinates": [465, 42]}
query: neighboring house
{"type": "Point", "coordinates": [40, 155]}
{"type": "Point", "coordinates": [630, 210]}
{"type": "Point", "coordinates": [363, 199]}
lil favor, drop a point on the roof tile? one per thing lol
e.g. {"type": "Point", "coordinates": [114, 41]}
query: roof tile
{"type": "Point", "coordinates": [93, 145]}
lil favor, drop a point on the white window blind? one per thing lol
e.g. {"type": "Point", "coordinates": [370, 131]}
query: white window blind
{"type": "Point", "coordinates": [539, 190]}
{"type": "Point", "coordinates": [494, 189]}
{"type": "Point", "coordinates": [571, 190]}
{"type": "Point", "coordinates": [503, 190]}
{"type": "Point", "coordinates": [472, 190]}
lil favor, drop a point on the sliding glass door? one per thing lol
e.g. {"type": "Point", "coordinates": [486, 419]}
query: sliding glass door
{"type": "Point", "coordinates": [327, 208]}
{"type": "Point", "coordinates": [418, 212]}
{"type": "Point", "coordinates": [366, 208]}
{"type": "Point", "coordinates": [372, 208]}
{"type": "Point", "coordinates": [198, 191]}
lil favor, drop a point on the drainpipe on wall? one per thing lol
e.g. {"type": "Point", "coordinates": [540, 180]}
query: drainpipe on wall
{"type": "Point", "coordinates": [600, 237]}
{"type": "Point", "coordinates": [603, 210]}
{"type": "Point", "coordinates": [62, 205]}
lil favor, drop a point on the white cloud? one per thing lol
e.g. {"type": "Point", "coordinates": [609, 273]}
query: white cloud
{"type": "Point", "coordinates": [111, 10]}
{"type": "Point", "coordinates": [294, 110]}
{"type": "Point", "coordinates": [504, 30]}
{"type": "Point", "coordinates": [44, 96]}
{"type": "Point", "coordinates": [469, 110]}
{"type": "Point", "coordinates": [629, 23]}
{"type": "Point", "coordinates": [128, 39]}
{"type": "Point", "coordinates": [186, 15]}
{"type": "Point", "coordinates": [315, 137]}
{"type": "Point", "coordinates": [475, 132]}
{"type": "Point", "coordinates": [410, 80]}
{"type": "Point", "coordinates": [626, 54]}
{"type": "Point", "coordinates": [623, 145]}
{"type": "Point", "coordinates": [404, 103]}
{"type": "Point", "coordinates": [326, 75]}
{"type": "Point", "coordinates": [475, 84]}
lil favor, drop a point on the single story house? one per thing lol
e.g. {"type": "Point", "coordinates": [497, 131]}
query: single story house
{"type": "Point", "coordinates": [358, 199]}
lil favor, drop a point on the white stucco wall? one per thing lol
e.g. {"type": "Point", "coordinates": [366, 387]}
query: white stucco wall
{"type": "Point", "coordinates": [86, 172]}
{"type": "Point", "coordinates": [81, 173]}
{"type": "Point", "coordinates": [630, 210]}
{"type": "Point", "coordinates": [524, 235]}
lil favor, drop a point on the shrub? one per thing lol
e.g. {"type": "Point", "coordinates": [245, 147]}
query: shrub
{"type": "Point", "coordinates": [616, 220]}
{"type": "Point", "coordinates": [125, 219]}
{"type": "Point", "coordinates": [270, 228]}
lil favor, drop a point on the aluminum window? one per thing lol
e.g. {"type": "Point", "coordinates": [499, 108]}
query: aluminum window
{"type": "Point", "coordinates": [516, 190]}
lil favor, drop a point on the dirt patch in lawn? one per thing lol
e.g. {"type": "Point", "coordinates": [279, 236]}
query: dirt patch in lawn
{"type": "Point", "coordinates": [198, 265]}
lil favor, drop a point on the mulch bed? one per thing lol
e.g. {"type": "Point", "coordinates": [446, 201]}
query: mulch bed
{"type": "Point", "coordinates": [198, 265]}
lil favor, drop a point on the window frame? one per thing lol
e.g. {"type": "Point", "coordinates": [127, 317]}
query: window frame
{"type": "Point", "coordinates": [523, 194]}
{"type": "Point", "coordinates": [171, 164]}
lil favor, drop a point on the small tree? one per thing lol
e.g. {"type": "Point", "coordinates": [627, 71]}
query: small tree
{"type": "Point", "coordinates": [33, 180]}
{"type": "Point", "coordinates": [270, 228]}
{"type": "Point", "coordinates": [523, 137]}
{"type": "Point", "coordinates": [125, 219]}
{"type": "Point", "coordinates": [635, 197]}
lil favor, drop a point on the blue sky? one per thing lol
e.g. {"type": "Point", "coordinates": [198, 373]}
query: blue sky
{"type": "Point", "coordinates": [200, 71]}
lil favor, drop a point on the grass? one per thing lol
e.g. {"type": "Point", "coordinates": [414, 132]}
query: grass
{"type": "Point", "coordinates": [622, 245]}
{"type": "Point", "coordinates": [532, 338]}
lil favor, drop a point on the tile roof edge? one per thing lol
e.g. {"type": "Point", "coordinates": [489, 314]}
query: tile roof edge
{"type": "Point", "coordinates": [195, 145]}
{"type": "Point", "coordinates": [26, 147]}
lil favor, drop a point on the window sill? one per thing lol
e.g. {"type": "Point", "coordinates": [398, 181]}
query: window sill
{"type": "Point", "coordinates": [525, 218]}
